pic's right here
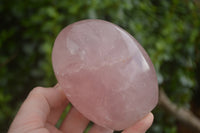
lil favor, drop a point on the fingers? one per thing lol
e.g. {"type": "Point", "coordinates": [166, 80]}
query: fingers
{"type": "Point", "coordinates": [52, 128]}
{"type": "Point", "coordinates": [36, 108]}
{"type": "Point", "coordinates": [47, 129]}
{"type": "Point", "coordinates": [56, 112]}
{"type": "Point", "coordinates": [74, 122]}
{"type": "Point", "coordinates": [141, 126]}
{"type": "Point", "coordinates": [99, 129]}
{"type": "Point", "coordinates": [47, 104]}
{"type": "Point", "coordinates": [54, 101]}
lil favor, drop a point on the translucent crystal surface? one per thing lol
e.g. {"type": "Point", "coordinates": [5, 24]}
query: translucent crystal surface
{"type": "Point", "coordinates": [105, 73]}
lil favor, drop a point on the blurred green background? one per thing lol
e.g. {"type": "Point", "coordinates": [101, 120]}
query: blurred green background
{"type": "Point", "coordinates": [168, 29]}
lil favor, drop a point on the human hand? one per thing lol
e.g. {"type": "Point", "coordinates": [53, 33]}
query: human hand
{"type": "Point", "coordinates": [43, 107]}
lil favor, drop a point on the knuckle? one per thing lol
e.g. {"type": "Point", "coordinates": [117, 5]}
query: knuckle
{"type": "Point", "coordinates": [37, 90]}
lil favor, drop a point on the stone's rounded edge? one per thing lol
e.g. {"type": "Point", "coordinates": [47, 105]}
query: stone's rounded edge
{"type": "Point", "coordinates": [146, 56]}
{"type": "Point", "coordinates": [55, 46]}
{"type": "Point", "coordinates": [150, 63]}
{"type": "Point", "coordinates": [139, 46]}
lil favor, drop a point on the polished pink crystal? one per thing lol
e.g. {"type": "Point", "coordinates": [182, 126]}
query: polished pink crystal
{"type": "Point", "coordinates": [105, 73]}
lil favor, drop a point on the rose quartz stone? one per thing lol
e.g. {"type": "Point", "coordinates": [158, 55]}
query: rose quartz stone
{"type": "Point", "coordinates": [105, 73]}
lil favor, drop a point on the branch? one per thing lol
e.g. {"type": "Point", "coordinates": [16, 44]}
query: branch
{"type": "Point", "coordinates": [181, 114]}
{"type": "Point", "coordinates": [8, 60]}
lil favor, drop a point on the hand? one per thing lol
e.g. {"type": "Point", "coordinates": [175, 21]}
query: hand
{"type": "Point", "coordinates": [43, 107]}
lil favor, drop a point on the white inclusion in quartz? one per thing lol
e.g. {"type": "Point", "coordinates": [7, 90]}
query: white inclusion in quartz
{"type": "Point", "coordinates": [72, 46]}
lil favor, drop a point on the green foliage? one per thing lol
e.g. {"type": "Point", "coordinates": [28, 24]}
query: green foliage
{"type": "Point", "coordinates": [168, 30]}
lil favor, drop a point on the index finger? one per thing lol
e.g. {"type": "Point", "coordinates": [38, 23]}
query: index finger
{"type": "Point", "coordinates": [34, 111]}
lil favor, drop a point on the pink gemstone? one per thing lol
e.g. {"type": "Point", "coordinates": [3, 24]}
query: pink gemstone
{"type": "Point", "coordinates": [105, 73]}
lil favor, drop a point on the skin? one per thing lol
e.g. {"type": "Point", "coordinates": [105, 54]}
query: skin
{"type": "Point", "coordinates": [43, 107]}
